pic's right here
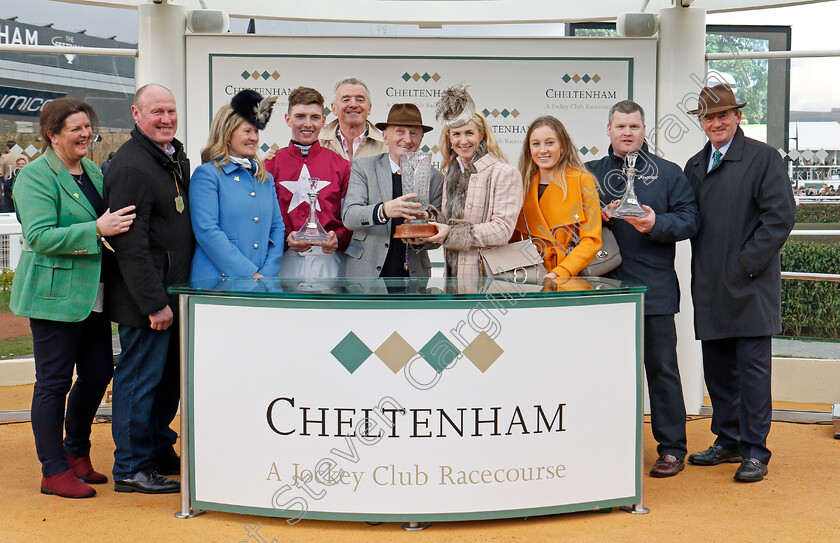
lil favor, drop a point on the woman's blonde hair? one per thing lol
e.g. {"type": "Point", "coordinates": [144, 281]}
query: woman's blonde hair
{"type": "Point", "coordinates": [217, 149]}
{"type": "Point", "coordinates": [483, 127]}
{"type": "Point", "coordinates": [570, 158]}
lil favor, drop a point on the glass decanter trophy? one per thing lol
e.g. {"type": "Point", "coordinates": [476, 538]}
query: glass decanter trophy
{"type": "Point", "coordinates": [312, 231]}
{"type": "Point", "coordinates": [416, 171]}
{"type": "Point", "coordinates": [629, 205]}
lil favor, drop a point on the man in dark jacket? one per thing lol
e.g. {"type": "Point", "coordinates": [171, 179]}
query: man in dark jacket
{"type": "Point", "coordinates": [648, 246]}
{"type": "Point", "coordinates": [746, 213]}
{"type": "Point", "coordinates": [151, 172]}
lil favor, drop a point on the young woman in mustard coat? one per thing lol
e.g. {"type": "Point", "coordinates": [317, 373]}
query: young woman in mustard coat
{"type": "Point", "coordinates": [561, 212]}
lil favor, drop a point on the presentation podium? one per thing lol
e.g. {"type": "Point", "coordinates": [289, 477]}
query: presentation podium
{"type": "Point", "coordinates": [410, 400]}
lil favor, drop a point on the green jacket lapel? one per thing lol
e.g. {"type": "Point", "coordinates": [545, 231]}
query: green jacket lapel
{"type": "Point", "coordinates": [69, 185]}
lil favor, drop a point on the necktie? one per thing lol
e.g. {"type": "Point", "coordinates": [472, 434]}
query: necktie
{"type": "Point", "coordinates": [716, 156]}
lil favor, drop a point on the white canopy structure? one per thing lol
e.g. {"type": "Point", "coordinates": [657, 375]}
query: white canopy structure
{"type": "Point", "coordinates": [437, 12]}
{"type": "Point", "coordinates": [680, 67]}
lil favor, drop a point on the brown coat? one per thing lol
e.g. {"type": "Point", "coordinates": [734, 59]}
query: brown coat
{"type": "Point", "coordinates": [372, 145]}
{"type": "Point", "coordinates": [500, 185]}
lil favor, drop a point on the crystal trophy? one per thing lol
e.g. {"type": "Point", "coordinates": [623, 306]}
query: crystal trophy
{"type": "Point", "coordinates": [629, 205]}
{"type": "Point", "coordinates": [416, 171]}
{"type": "Point", "coordinates": [312, 231]}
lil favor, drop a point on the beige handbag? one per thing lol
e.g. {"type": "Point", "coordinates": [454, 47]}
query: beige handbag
{"type": "Point", "coordinates": [518, 262]}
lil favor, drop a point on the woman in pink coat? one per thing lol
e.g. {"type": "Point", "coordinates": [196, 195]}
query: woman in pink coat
{"type": "Point", "coordinates": [482, 194]}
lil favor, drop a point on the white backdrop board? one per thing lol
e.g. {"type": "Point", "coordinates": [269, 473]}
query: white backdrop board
{"type": "Point", "coordinates": [403, 410]}
{"type": "Point", "coordinates": [513, 80]}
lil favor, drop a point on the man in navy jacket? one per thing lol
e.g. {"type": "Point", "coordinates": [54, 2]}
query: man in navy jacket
{"type": "Point", "coordinates": [648, 246]}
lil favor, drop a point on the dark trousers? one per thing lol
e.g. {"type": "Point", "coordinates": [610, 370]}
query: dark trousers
{"type": "Point", "coordinates": [146, 395]}
{"type": "Point", "coordinates": [59, 347]}
{"type": "Point", "coordinates": [667, 407]}
{"type": "Point", "coordinates": [737, 373]}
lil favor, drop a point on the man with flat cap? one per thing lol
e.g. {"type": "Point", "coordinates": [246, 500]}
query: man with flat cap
{"type": "Point", "coordinates": [375, 205]}
{"type": "Point", "coordinates": [746, 213]}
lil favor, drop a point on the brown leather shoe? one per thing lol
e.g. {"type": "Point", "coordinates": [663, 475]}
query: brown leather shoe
{"type": "Point", "coordinates": [83, 469]}
{"type": "Point", "coordinates": [667, 465]}
{"type": "Point", "coordinates": [66, 485]}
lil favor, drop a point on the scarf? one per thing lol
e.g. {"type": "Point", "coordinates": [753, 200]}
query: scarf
{"type": "Point", "coordinates": [456, 185]}
{"type": "Point", "coordinates": [247, 163]}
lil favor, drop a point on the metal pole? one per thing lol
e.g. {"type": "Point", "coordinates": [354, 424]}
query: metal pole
{"type": "Point", "coordinates": [639, 508]}
{"type": "Point", "coordinates": [101, 51]}
{"type": "Point", "coordinates": [736, 55]}
{"type": "Point", "coordinates": [415, 526]}
{"type": "Point", "coordinates": [186, 445]}
{"type": "Point", "coordinates": [802, 276]}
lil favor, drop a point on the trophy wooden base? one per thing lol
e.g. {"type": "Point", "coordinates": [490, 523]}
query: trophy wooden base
{"type": "Point", "coordinates": [415, 231]}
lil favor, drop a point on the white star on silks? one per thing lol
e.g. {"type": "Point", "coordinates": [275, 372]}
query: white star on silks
{"type": "Point", "coordinates": [301, 187]}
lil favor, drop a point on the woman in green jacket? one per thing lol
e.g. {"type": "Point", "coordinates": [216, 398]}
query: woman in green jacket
{"type": "Point", "coordinates": [59, 204]}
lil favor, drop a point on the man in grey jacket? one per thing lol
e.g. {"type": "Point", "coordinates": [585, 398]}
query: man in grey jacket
{"type": "Point", "coordinates": [746, 213]}
{"type": "Point", "coordinates": [375, 205]}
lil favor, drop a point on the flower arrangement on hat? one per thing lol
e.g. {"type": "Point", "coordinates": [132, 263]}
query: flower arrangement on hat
{"type": "Point", "coordinates": [482, 194]}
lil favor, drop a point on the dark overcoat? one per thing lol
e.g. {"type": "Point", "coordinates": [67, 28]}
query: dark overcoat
{"type": "Point", "coordinates": [648, 259]}
{"type": "Point", "coordinates": [746, 213]}
{"type": "Point", "coordinates": [157, 250]}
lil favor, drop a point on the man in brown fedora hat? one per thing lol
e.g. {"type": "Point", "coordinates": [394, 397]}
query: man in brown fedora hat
{"type": "Point", "coordinates": [746, 213]}
{"type": "Point", "coordinates": [375, 204]}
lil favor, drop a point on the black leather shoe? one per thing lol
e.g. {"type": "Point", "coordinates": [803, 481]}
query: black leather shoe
{"type": "Point", "coordinates": [167, 465]}
{"type": "Point", "coordinates": [751, 470]}
{"type": "Point", "coordinates": [713, 456]}
{"type": "Point", "coordinates": [147, 481]}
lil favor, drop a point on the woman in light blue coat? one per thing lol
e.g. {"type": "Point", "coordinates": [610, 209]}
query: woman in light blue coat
{"type": "Point", "coordinates": [235, 213]}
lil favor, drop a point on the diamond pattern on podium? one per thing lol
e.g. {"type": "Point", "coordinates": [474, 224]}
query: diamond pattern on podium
{"type": "Point", "coordinates": [439, 352]}
{"type": "Point", "coordinates": [351, 352]}
{"type": "Point", "coordinates": [483, 351]}
{"type": "Point", "coordinates": [395, 352]}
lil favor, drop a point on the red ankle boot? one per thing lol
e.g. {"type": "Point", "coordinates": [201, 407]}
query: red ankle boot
{"type": "Point", "coordinates": [83, 469]}
{"type": "Point", "coordinates": [66, 485]}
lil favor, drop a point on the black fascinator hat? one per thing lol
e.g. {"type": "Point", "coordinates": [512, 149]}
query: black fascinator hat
{"type": "Point", "coordinates": [251, 106]}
